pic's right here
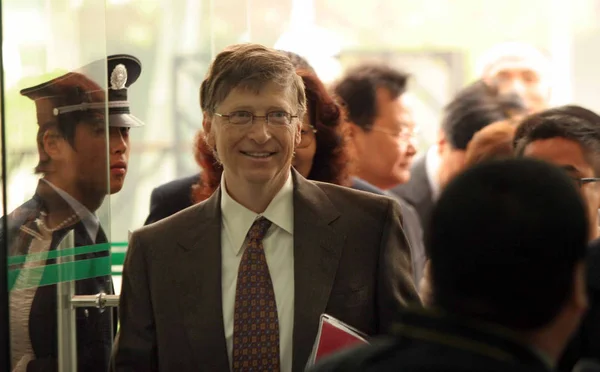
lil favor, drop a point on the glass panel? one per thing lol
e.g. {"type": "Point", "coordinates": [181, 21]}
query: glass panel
{"type": "Point", "coordinates": [57, 180]}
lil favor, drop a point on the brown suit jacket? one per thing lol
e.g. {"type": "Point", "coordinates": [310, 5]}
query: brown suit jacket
{"type": "Point", "coordinates": [351, 260]}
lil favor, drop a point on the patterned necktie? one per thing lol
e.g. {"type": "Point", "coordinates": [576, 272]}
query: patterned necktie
{"type": "Point", "coordinates": [255, 322]}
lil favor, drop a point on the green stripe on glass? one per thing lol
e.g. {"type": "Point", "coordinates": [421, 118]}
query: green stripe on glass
{"type": "Point", "coordinates": [43, 256]}
{"type": "Point", "coordinates": [59, 273]}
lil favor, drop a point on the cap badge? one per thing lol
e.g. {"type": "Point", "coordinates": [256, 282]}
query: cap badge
{"type": "Point", "coordinates": [118, 77]}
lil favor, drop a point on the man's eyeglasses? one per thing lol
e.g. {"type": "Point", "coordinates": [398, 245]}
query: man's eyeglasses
{"type": "Point", "coordinates": [307, 136]}
{"type": "Point", "coordinates": [275, 118]}
{"type": "Point", "coordinates": [582, 181]}
{"type": "Point", "coordinates": [405, 135]}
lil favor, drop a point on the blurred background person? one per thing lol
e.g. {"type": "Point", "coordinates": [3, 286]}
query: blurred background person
{"type": "Point", "coordinates": [500, 303]}
{"type": "Point", "coordinates": [381, 126]}
{"type": "Point", "coordinates": [381, 134]}
{"type": "Point", "coordinates": [473, 108]}
{"type": "Point", "coordinates": [569, 137]}
{"type": "Point", "coordinates": [496, 141]}
{"type": "Point", "coordinates": [518, 68]}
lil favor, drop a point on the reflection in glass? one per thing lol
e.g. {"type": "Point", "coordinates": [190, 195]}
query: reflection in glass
{"type": "Point", "coordinates": [76, 175]}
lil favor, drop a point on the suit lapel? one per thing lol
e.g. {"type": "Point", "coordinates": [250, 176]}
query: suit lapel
{"type": "Point", "coordinates": [201, 302]}
{"type": "Point", "coordinates": [317, 251]}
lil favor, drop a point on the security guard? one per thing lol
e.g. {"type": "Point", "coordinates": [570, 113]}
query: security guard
{"type": "Point", "coordinates": [72, 145]}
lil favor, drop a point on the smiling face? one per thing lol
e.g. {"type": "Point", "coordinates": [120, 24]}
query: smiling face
{"type": "Point", "coordinates": [256, 154]}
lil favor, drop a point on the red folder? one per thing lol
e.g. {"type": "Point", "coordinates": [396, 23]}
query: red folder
{"type": "Point", "coordinates": [333, 336]}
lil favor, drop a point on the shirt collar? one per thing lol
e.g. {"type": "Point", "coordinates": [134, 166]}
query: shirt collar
{"type": "Point", "coordinates": [432, 166]}
{"type": "Point", "coordinates": [90, 221]}
{"type": "Point", "coordinates": [238, 219]}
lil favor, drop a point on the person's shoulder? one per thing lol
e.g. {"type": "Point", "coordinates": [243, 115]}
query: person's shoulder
{"type": "Point", "coordinates": [178, 185]}
{"type": "Point", "coordinates": [24, 213]}
{"type": "Point", "coordinates": [362, 185]}
{"type": "Point", "coordinates": [346, 197]}
{"type": "Point", "coordinates": [177, 223]}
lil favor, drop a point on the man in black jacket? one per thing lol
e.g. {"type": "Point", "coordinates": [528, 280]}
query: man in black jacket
{"type": "Point", "coordinates": [508, 277]}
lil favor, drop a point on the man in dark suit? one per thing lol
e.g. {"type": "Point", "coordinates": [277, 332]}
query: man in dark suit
{"type": "Point", "coordinates": [241, 279]}
{"type": "Point", "coordinates": [382, 131]}
{"type": "Point", "coordinates": [72, 143]}
{"type": "Point", "coordinates": [569, 137]}
{"type": "Point", "coordinates": [171, 198]}
{"type": "Point", "coordinates": [473, 108]}
{"type": "Point", "coordinates": [520, 322]}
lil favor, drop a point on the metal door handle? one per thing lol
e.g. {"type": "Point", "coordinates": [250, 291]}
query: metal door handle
{"type": "Point", "coordinates": [100, 301]}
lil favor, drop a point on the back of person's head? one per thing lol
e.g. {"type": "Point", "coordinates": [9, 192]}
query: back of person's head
{"type": "Point", "coordinates": [493, 142]}
{"type": "Point", "coordinates": [513, 53]}
{"type": "Point", "coordinates": [299, 62]}
{"type": "Point", "coordinates": [252, 67]}
{"type": "Point", "coordinates": [505, 240]}
{"type": "Point", "coordinates": [357, 91]}
{"type": "Point", "coordinates": [473, 108]}
{"type": "Point", "coordinates": [570, 122]}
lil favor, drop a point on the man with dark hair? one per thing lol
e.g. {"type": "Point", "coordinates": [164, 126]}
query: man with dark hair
{"type": "Point", "coordinates": [509, 277]}
{"type": "Point", "coordinates": [239, 281]}
{"type": "Point", "coordinates": [382, 137]}
{"type": "Point", "coordinates": [381, 127]}
{"type": "Point", "coordinates": [473, 108]}
{"type": "Point", "coordinates": [569, 137]}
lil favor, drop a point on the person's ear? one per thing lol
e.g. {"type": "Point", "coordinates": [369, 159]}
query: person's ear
{"type": "Point", "coordinates": [298, 134]}
{"type": "Point", "coordinates": [442, 142]}
{"type": "Point", "coordinates": [580, 293]}
{"type": "Point", "coordinates": [53, 143]}
{"type": "Point", "coordinates": [209, 135]}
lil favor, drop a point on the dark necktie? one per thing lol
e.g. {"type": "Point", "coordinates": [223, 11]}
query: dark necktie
{"type": "Point", "coordinates": [255, 322]}
{"type": "Point", "coordinates": [100, 236]}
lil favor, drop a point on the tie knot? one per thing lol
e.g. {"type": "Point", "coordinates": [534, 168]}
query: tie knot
{"type": "Point", "coordinates": [259, 228]}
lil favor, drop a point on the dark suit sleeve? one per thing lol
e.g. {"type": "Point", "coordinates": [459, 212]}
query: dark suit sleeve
{"type": "Point", "coordinates": [156, 207]}
{"type": "Point", "coordinates": [396, 288]}
{"type": "Point", "coordinates": [414, 234]}
{"type": "Point", "coordinates": [135, 345]}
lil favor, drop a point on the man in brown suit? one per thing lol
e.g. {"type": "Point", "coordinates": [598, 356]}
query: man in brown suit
{"type": "Point", "coordinates": [239, 281]}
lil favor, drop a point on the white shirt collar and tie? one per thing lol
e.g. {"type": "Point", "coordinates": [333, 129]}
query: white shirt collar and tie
{"type": "Point", "coordinates": [279, 251]}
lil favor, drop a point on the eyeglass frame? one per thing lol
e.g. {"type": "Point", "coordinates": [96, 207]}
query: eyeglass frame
{"type": "Point", "coordinates": [314, 130]}
{"type": "Point", "coordinates": [266, 117]}
{"type": "Point", "coordinates": [399, 134]}
{"type": "Point", "coordinates": [585, 180]}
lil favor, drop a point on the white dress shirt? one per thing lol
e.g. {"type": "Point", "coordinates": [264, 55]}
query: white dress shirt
{"type": "Point", "coordinates": [90, 221]}
{"type": "Point", "coordinates": [278, 245]}
{"type": "Point", "coordinates": [432, 166]}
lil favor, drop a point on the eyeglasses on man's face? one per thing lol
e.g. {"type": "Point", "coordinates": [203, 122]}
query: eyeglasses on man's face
{"type": "Point", "coordinates": [584, 181]}
{"type": "Point", "coordinates": [402, 135]}
{"type": "Point", "coordinates": [243, 118]}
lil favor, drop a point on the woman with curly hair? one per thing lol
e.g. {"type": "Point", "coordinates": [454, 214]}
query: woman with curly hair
{"type": "Point", "coordinates": [321, 155]}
